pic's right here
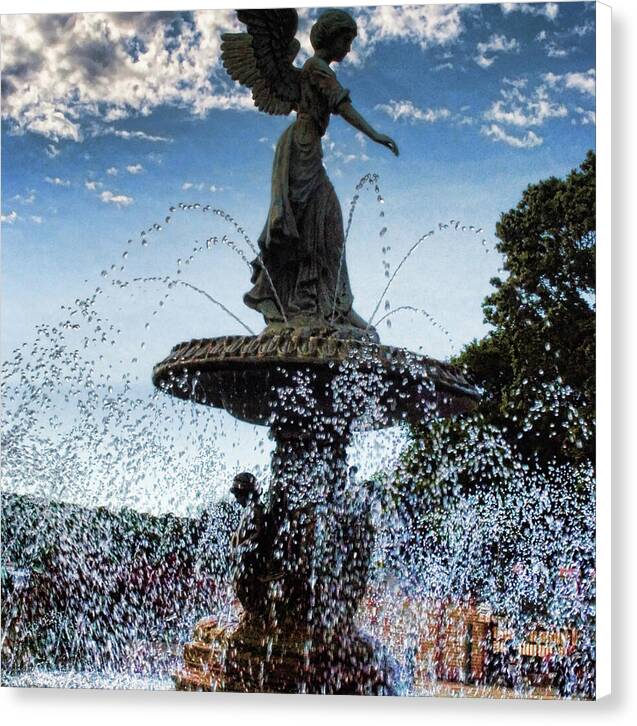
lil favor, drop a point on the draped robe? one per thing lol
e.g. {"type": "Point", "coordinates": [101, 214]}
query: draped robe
{"type": "Point", "coordinates": [302, 244]}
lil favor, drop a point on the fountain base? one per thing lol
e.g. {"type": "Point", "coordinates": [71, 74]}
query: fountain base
{"type": "Point", "coordinates": [249, 660]}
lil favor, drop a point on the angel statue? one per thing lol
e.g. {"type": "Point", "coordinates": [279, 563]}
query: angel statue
{"type": "Point", "coordinates": [300, 275]}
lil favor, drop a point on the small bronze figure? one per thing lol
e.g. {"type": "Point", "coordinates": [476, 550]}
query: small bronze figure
{"type": "Point", "coordinates": [300, 276]}
{"type": "Point", "coordinates": [248, 544]}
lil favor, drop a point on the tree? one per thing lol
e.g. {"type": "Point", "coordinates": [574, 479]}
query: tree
{"type": "Point", "coordinates": [535, 422]}
{"type": "Point", "coordinates": [537, 365]}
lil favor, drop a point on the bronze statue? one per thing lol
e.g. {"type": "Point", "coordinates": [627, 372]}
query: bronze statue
{"type": "Point", "coordinates": [300, 276]}
{"type": "Point", "coordinates": [248, 544]}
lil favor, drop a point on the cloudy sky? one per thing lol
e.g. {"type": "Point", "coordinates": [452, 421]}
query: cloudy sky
{"type": "Point", "coordinates": [111, 119]}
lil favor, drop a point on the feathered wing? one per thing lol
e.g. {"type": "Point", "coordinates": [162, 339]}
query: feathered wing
{"type": "Point", "coordinates": [261, 59]}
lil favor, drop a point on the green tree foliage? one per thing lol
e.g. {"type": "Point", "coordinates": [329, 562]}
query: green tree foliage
{"type": "Point", "coordinates": [535, 422]}
{"type": "Point", "coordinates": [537, 365]}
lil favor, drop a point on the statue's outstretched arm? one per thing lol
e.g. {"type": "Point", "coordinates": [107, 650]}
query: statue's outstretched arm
{"type": "Point", "coordinates": [351, 115]}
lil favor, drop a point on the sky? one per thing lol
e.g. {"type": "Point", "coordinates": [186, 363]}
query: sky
{"type": "Point", "coordinates": [111, 119]}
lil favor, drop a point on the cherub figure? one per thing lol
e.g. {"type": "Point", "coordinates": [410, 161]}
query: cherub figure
{"type": "Point", "coordinates": [249, 544]}
{"type": "Point", "coordinates": [300, 276]}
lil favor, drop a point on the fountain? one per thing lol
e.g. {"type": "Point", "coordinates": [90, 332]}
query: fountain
{"type": "Point", "coordinates": [452, 562]}
{"type": "Point", "coordinates": [98, 594]}
{"type": "Point", "coordinates": [305, 570]}
{"type": "Point", "coordinates": [316, 375]}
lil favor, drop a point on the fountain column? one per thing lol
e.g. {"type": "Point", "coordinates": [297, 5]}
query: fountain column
{"type": "Point", "coordinates": [303, 554]}
{"type": "Point", "coordinates": [297, 633]}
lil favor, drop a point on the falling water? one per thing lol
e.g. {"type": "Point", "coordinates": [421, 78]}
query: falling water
{"type": "Point", "coordinates": [482, 572]}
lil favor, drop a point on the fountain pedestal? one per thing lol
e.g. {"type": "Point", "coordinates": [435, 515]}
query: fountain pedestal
{"type": "Point", "coordinates": [302, 557]}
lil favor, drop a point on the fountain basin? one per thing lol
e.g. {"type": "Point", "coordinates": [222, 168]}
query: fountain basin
{"type": "Point", "coordinates": [244, 375]}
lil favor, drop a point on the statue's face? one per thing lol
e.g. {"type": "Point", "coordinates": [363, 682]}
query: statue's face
{"type": "Point", "coordinates": [241, 495]}
{"type": "Point", "coordinates": [341, 46]}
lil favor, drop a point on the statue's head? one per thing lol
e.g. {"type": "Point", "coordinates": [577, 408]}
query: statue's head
{"type": "Point", "coordinates": [245, 488]}
{"type": "Point", "coordinates": [334, 31]}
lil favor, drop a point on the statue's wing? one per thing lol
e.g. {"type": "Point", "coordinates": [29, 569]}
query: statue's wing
{"type": "Point", "coordinates": [261, 59]}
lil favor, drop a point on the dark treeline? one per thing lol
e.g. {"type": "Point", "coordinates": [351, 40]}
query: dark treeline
{"type": "Point", "coordinates": [80, 585]}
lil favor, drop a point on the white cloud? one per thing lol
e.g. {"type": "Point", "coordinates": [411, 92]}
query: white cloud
{"type": "Point", "coordinates": [584, 29]}
{"type": "Point", "coordinates": [548, 10]}
{"type": "Point", "coordinates": [112, 171]}
{"type": "Point", "coordinates": [36, 219]}
{"type": "Point", "coordinates": [587, 116]}
{"type": "Point", "coordinates": [407, 110]}
{"type": "Point", "coordinates": [28, 199]}
{"type": "Point", "coordinates": [124, 134]}
{"type": "Point", "coordinates": [517, 108]}
{"type": "Point", "coordinates": [582, 82]}
{"type": "Point", "coordinates": [134, 168]}
{"type": "Point", "coordinates": [57, 182]}
{"type": "Point", "coordinates": [92, 185]}
{"type": "Point", "coordinates": [557, 43]}
{"type": "Point", "coordinates": [424, 25]}
{"type": "Point", "coordinates": [497, 133]}
{"type": "Point", "coordinates": [9, 218]}
{"type": "Point", "coordinates": [154, 158]}
{"type": "Point", "coordinates": [200, 186]}
{"type": "Point", "coordinates": [46, 119]}
{"type": "Point", "coordinates": [59, 69]}
{"type": "Point", "coordinates": [496, 44]}
{"type": "Point", "coordinates": [52, 151]}
{"type": "Point", "coordinates": [116, 114]}
{"type": "Point", "coordinates": [516, 82]}
{"type": "Point", "coordinates": [121, 200]}
{"type": "Point", "coordinates": [554, 51]}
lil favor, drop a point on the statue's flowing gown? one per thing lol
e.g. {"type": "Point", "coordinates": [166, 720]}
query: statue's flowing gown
{"type": "Point", "coordinates": [302, 243]}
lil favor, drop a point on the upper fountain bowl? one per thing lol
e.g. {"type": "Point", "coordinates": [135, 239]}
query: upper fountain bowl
{"type": "Point", "coordinates": [364, 384]}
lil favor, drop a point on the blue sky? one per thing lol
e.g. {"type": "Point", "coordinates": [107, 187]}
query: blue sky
{"type": "Point", "coordinates": [108, 120]}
